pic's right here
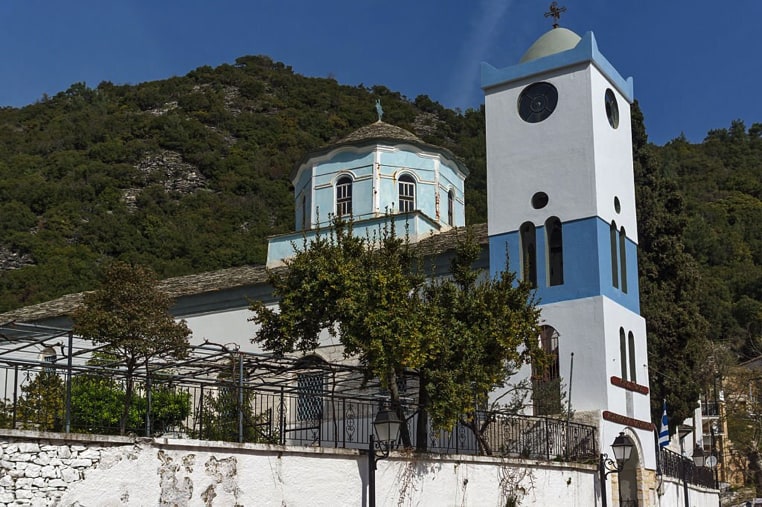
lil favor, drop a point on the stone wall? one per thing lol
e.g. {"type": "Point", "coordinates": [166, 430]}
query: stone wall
{"type": "Point", "coordinates": [39, 468]}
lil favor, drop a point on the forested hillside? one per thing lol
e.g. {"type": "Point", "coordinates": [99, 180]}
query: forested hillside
{"type": "Point", "coordinates": [721, 179]}
{"type": "Point", "coordinates": [184, 175]}
{"type": "Point", "coordinates": [191, 173]}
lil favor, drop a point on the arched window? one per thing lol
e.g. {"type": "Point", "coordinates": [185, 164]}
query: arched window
{"type": "Point", "coordinates": [623, 353]}
{"type": "Point", "coordinates": [344, 196]}
{"type": "Point", "coordinates": [623, 258]}
{"type": "Point", "coordinates": [546, 384]}
{"type": "Point", "coordinates": [614, 260]}
{"type": "Point", "coordinates": [528, 238]}
{"type": "Point", "coordinates": [631, 339]}
{"type": "Point", "coordinates": [554, 238]}
{"type": "Point", "coordinates": [451, 208]}
{"type": "Point", "coordinates": [406, 193]}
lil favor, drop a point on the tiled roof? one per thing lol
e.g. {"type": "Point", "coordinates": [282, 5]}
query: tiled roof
{"type": "Point", "coordinates": [380, 130]}
{"type": "Point", "coordinates": [213, 281]}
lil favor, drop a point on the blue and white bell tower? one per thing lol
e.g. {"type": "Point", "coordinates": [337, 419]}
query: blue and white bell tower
{"type": "Point", "coordinates": [561, 202]}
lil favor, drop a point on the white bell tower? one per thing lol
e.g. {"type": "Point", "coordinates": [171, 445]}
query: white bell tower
{"type": "Point", "coordinates": [561, 202]}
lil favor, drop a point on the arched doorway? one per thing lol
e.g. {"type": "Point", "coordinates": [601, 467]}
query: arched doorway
{"type": "Point", "coordinates": [628, 477]}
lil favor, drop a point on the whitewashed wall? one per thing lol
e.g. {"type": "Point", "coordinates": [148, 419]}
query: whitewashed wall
{"type": "Point", "coordinates": [672, 493]}
{"type": "Point", "coordinates": [42, 469]}
{"type": "Point", "coordinates": [47, 469]}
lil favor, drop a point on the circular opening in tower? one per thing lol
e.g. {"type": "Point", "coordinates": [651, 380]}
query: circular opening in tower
{"type": "Point", "coordinates": [539, 200]}
{"type": "Point", "coordinates": [612, 109]}
{"type": "Point", "coordinates": [617, 205]}
{"type": "Point", "coordinates": [537, 101]}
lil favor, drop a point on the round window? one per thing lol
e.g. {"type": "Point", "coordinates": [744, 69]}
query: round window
{"type": "Point", "coordinates": [612, 109]}
{"type": "Point", "coordinates": [537, 101]}
{"type": "Point", "coordinates": [617, 205]}
{"type": "Point", "coordinates": [539, 200]}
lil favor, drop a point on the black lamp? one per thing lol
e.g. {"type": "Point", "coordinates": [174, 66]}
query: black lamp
{"type": "Point", "coordinates": [622, 447]}
{"type": "Point", "coordinates": [386, 427]}
{"type": "Point", "coordinates": [698, 456]}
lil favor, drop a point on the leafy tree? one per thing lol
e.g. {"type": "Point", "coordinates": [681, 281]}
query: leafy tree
{"type": "Point", "coordinates": [42, 402]}
{"type": "Point", "coordinates": [458, 335]}
{"type": "Point", "coordinates": [486, 329]}
{"type": "Point", "coordinates": [97, 405]}
{"type": "Point", "coordinates": [668, 277]}
{"type": "Point", "coordinates": [130, 317]}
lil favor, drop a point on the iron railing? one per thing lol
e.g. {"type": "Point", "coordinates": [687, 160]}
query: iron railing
{"type": "Point", "coordinates": [674, 465]}
{"type": "Point", "coordinates": [35, 398]}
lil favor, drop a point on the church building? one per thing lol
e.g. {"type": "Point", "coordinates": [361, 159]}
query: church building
{"type": "Point", "coordinates": [561, 214]}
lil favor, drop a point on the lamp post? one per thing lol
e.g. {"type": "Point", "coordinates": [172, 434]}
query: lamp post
{"type": "Point", "coordinates": [386, 427]}
{"type": "Point", "coordinates": [622, 447]}
{"type": "Point", "coordinates": [682, 432]}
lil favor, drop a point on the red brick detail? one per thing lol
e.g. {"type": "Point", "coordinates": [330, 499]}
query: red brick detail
{"type": "Point", "coordinates": [627, 421]}
{"type": "Point", "coordinates": [630, 386]}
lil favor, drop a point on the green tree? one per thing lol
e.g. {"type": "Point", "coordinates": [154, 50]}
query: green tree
{"type": "Point", "coordinates": [130, 317]}
{"type": "Point", "coordinates": [458, 335]}
{"type": "Point", "coordinates": [668, 277]}
{"type": "Point", "coordinates": [487, 328]}
{"type": "Point", "coordinates": [41, 405]}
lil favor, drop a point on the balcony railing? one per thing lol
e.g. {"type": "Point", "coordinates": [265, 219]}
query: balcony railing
{"type": "Point", "coordinates": [674, 465]}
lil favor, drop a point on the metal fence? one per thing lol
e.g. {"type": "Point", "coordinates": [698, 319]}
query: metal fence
{"type": "Point", "coordinates": [674, 465]}
{"type": "Point", "coordinates": [35, 397]}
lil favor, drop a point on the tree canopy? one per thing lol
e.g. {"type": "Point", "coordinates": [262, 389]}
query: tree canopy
{"type": "Point", "coordinates": [130, 317]}
{"type": "Point", "coordinates": [458, 334]}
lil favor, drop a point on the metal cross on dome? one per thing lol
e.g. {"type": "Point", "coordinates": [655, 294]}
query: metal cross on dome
{"type": "Point", "coordinates": [555, 13]}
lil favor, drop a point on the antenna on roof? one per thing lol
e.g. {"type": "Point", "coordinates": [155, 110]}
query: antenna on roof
{"type": "Point", "coordinates": [555, 13]}
{"type": "Point", "coordinates": [379, 111]}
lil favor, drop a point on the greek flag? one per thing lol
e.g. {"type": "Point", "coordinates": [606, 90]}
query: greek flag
{"type": "Point", "coordinates": [664, 430]}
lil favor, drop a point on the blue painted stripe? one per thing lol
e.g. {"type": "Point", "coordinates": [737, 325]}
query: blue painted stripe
{"type": "Point", "coordinates": [587, 263]}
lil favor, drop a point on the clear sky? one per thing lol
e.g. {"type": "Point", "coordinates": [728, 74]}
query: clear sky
{"type": "Point", "coordinates": [696, 64]}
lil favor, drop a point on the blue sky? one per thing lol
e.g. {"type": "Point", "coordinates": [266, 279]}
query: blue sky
{"type": "Point", "coordinates": [696, 64]}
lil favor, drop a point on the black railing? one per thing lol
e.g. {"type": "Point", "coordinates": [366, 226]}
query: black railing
{"type": "Point", "coordinates": [234, 411]}
{"type": "Point", "coordinates": [674, 465]}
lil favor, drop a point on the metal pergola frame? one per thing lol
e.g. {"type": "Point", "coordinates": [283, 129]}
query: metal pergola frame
{"type": "Point", "coordinates": [207, 363]}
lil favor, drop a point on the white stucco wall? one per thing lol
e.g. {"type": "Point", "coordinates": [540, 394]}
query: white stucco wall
{"type": "Point", "coordinates": [136, 472]}
{"type": "Point", "coordinates": [672, 494]}
{"type": "Point", "coordinates": [45, 469]}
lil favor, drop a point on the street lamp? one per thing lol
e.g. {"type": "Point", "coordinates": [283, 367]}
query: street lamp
{"type": "Point", "coordinates": [698, 456]}
{"type": "Point", "coordinates": [386, 427]}
{"type": "Point", "coordinates": [622, 447]}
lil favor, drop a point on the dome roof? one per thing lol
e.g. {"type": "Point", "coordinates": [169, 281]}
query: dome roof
{"type": "Point", "coordinates": [380, 130]}
{"type": "Point", "coordinates": [554, 41]}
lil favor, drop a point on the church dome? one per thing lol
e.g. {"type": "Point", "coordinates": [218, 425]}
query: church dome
{"type": "Point", "coordinates": [554, 41]}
